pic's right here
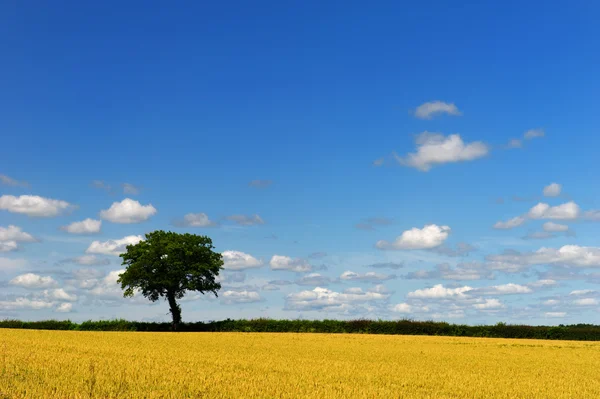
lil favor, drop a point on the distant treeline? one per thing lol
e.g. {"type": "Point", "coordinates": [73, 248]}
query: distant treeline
{"type": "Point", "coordinates": [578, 332]}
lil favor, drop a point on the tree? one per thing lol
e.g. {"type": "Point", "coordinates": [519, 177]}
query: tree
{"type": "Point", "coordinates": [168, 265]}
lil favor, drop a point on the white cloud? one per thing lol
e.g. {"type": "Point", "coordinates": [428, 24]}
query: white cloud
{"type": "Point", "coordinates": [33, 205]}
{"type": "Point", "coordinates": [489, 304]}
{"type": "Point", "coordinates": [402, 308]}
{"type": "Point", "coordinates": [534, 133]}
{"type": "Point", "coordinates": [555, 314]}
{"type": "Point", "coordinates": [244, 220]}
{"type": "Point", "coordinates": [25, 304]}
{"type": "Point", "coordinates": [555, 227]}
{"type": "Point", "coordinates": [236, 260]}
{"type": "Point", "coordinates": [87, 226]}
{"type": "Point", "coordinates": [113, 247]}
{"type": "Point", "coordinates": [582, 292]}
{"type": "Point", "coordinates": [33, 281]}
{"type": "Point", "coordinates": [436, 149]}
{"type": "Point", "coordinates": [429, 109]}
{"type": "Point", "coordinates": [506, 289]}
{"type": "Point", "coordinates": [567, 255]}
{"type": "Point", "coordinates": [128, 211]}
{"type": "Point", "coordinates": [235, 297]}
{"type": "Point", "coordinates": [130, 189]}
{"type": "Point", "coordinates": [543, 283]}
{"type": "Point", "coordinates": [510, 224]}
{"type": "Point", "coordinates": [439, 291]}
{"type": "Point", "coordinates": [107, 287]}
{"type": "Point", "coordinates": [552, 190]}
{"type": "Point", "coordinates": [60, 294]}
{"type": "Point", "coordinates": [12, 182]}
{"type": "Point", "coordinates": [64, 307]}
{"type": "Point", "coordinates": [567, 211]}
{"type": "Point", "coordinates": [8, 246]}
{"type": "Point", "coordinates": [428, 237]}
{"type": "Point", "coordinates": [586, 302]}
{"type": "Point", "coordinates": [322, 299]}
{"type": "Point", "coordinates": [12, 235]}
{"type": "Point", "coordinates": [369, 276]}
{"type": "Point", "coordinates": [279, 262]}
{"type": "Point", "coordinates": [196, 220]}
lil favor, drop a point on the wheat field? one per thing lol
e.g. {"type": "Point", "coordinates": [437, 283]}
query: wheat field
{"type": "Point", "coordinates": [71, 364]}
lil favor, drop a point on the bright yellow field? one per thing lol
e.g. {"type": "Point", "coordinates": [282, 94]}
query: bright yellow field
{"type": "Point", "coordinates": [39, 364]}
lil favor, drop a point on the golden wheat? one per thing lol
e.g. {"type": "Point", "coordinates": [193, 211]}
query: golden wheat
{"type": "Point", "coordinates": [69, 364]}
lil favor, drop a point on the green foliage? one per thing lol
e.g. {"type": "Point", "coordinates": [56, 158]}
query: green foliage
{"type": "Point", "coordinates": [576, 332]}
{"type": "Point", "coordinates": [168, 265]}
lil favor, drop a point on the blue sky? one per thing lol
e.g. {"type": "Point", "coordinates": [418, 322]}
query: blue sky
{"type": "Point", "coordinates": [285, 133]}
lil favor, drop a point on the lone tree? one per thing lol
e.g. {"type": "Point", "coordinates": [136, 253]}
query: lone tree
{"type": "Point", "coordinates": [168, 264]}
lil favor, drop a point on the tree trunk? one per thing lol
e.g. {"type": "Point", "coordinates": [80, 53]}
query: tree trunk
{"type": "Point", "coordinates": [175, 310]}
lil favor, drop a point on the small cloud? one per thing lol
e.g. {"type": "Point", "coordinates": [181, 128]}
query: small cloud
{"type": "Point", "coordinates": [113, 247]}
{"type": "Point", "coordinates": [552, 190]}
{"type": "Point", "coordinates": [34, 206]}
{"type": "Point", "coordinates": [8, 181]}
{"type": "Point", "coordinates": [260, 183]}
{"type": "Point", "coordinates": [436, 149]}
{"type": "Point", "coordinates": [87, 226]}
{"type": "Point", "coordinates": [430, 236]}
{"type": "Point", "coordinates": [566, 211]}
{"type": "Point", "coordinates": [555, 314]}
{"type": "Point", "coordinates": [33, 281]}
{"type": "Point", "coordinates": [369, 276]}
{"type": "Point", "coordinates": [100, 185]}
{"type": "Point", "coordinates": [130, 189]}
{"type": "Point", "coordinates": [378, 162]}
{"type": "Point", "coordinates": [64, 307]}
{"type": "Point", "coordinates": [128, 211]}
{"type": "Point", "coordinates": [236, 260]}
{"type": "Point", "coordinates": [534, 133]}
{"type": "Point", "coordinates": [430, 109]}
{"type": "Point", "coordinates": [245, 220]}
{"type": "Point", "coordinates": [514, 143]}
{"type": "Point", "coordinates": [298, 265]}
{"type": "Point", "coordinates": [195, 220]}
{"type": "Point", "coordinates": [510, 224]}
{"type": "Point", "coordinates": [555, 227]}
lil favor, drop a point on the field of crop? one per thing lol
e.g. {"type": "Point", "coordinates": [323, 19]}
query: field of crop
{"type": "Point", "coordinates": [72, 364]}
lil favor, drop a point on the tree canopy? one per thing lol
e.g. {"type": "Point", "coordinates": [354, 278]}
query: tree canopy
{"type": "Point", "coordinates": [168, 264]}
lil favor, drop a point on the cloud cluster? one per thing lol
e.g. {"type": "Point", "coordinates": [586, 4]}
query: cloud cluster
{"type": "Point", "coordinates": [11, 236]}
